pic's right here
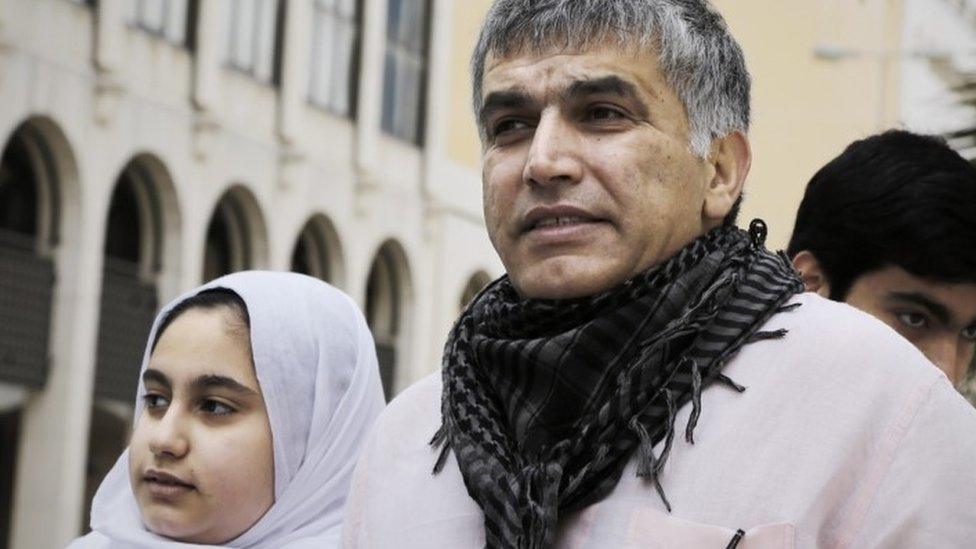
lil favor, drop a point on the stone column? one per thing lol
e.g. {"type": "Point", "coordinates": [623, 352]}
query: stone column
{"type": "Point", "coordinates": [51, 460]}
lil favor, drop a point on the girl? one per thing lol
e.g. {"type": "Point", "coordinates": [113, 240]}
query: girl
{"type": "Point", "coordinates": [256, 391]}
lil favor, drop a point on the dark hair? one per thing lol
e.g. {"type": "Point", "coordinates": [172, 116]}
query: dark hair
{"type": "Point", "coordinates": [896, 198]}
{"type": "Point", "coordinates": [207, 299]}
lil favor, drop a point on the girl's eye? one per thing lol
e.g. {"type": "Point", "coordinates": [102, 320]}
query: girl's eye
{"type": "Point", "coordinates": [913, 320]}
{"type": "Point", "coordinates": [154, 401]}
{"type": "Point", "coordinates": [215, 408]}
{"type": "Point", "coordinates": [969, 333]}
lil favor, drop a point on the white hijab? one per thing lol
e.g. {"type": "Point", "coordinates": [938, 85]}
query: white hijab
{"type": "Point", "coordinates": [316, 363]}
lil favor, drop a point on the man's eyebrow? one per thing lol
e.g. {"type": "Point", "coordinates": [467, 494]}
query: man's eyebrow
{"type": "Point", "coordinates": [937, 309]}
{"type": "Point", "coordinates": [156, 376]}
{"type": "Point", "coordinates": [607, 85]}
{"type": "Point", "coordinates": [504, 99]}
{"type": "Point", "coordinates": [212, 381]}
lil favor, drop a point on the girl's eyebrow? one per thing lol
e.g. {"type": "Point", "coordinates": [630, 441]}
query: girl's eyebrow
{"type": "Point", "coordinates": [156, 376]}
{"type": "Point", "coordinates": [213, 381]}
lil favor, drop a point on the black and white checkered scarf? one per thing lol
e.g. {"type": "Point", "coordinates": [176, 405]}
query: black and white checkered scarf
{"type": "Point", "coordinates": [545, 401]}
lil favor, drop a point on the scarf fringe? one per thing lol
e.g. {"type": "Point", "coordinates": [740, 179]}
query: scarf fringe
{"type": "Point", "coordinates": [727, 381]}
{"type": "Point", "coordinates": [541, 497]}
{"type": "Point", "coordinates": [696, 387]}
{"type": "Point", "coordinates": [648, 465]}
{"type": "Point", "coordinates": [789, 308]}
{"type": "Point", "coordinates": [770, 334]}
{"type": "Point", "coordinates": [440, 439]}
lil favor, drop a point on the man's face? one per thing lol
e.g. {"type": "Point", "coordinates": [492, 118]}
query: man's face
{"type": "Point", "coordinates": [937, 317]}
{"type": "Point", "coordinates": [588, 176]}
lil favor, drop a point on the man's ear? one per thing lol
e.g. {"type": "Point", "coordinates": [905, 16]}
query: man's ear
{"type": "Point", "coordinates": [814, 279]}
{"type": "Point", "coordinates": [731, 156]}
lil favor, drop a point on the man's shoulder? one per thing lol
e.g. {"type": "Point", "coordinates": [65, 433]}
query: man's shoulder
{"type": "Point", "coordinates": [833, 350]}
{"type": "Point", "coordinates": [837, 333]}
{"type": "Point", "coordinates": [413, 416]}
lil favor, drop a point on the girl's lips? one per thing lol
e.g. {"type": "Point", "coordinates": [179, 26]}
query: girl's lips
{"type": "Point", "coordinates": [165, 486]}
{"type": "Point", "coordinates": [166, 491]}
{"type": "Point", "coordinates": [162, 478]}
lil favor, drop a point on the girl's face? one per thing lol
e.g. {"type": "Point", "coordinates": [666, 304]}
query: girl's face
{"type": "Point", "coordinates": [201, 462]}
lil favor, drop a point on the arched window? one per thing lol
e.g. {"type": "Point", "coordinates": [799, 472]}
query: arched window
{"type": "Point", "coordinates": [142, 202]}
{"type": "Point", "coordinates": [316, 252]}
{"type": "Point", "coordinates": [26, 272]}
{"type": "Point", "coordinates": [129, 296]}
{"type": "Point", "coordinates": [386, 303]}
{"type": "Point", "coordinates": [29, 185]}
{"type": "Point", "coordinates": [235, 235]}
{"type": "Point", "coordinates": [475, 284]}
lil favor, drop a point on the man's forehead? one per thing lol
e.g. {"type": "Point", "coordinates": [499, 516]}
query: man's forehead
{"type": "Point", "coordinates": [524, 70]}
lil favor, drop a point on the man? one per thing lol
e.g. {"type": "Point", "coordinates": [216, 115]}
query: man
{"type": "Point", "coordinates": [615, 151]}
{"type": "Point", "coordinates": [889, 227]}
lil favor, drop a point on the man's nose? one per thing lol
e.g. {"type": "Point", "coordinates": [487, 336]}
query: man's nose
{"type": "Point", "coordinates": [554, 155]}
{"type": "Point", "coordinates": [168, 437]}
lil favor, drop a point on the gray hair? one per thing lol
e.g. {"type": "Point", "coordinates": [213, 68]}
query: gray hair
{"type": "Point", "coordinates": [700, 60]}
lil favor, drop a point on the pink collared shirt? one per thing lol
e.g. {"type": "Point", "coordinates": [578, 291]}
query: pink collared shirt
{"type": "Point", "coordinates": [847, 437]}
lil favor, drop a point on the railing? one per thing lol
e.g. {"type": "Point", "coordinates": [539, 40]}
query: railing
{"type": "Point", "coordinates": [26, 288]}
{"type": "Point", "coordinates": [128, 307]}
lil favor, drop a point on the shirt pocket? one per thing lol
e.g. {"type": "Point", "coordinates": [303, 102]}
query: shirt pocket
{"type": "Point", "coordinates": [652, 529]}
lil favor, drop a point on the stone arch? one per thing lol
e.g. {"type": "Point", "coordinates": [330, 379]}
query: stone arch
{"type": "Point", "coordinates": [389, 307]}
{"type": "Point", "coordinates": [39, 232]}
{"type": "Point", "coordinates": [476, 282]}
{"type": "Point", "coordinates": [38, 175]}
{"type": "Point", "coordinates": [318, 251]}
{"type": "Point", "coordinates": [236, 237]}
{"type": "Point", "coordinates": [141, 244]}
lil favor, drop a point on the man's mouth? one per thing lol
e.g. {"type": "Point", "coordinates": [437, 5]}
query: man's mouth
{"type": "Point", "coordinates": [560, 221]}
{"type": "Point", "coordinates": [555, 217]}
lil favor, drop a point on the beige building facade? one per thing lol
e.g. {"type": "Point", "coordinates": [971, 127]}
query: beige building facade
{"type": "Point", "coordinates": [150, 145]}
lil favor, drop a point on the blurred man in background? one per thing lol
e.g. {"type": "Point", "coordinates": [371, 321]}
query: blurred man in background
{"type": "Point", "coordinates": [889, 227]}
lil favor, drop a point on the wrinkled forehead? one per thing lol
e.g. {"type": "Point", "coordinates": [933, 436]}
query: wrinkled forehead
{"type": "Point", "coordinates": [586, 46]}
{"type": "Point", "coordinates": [553, 68]}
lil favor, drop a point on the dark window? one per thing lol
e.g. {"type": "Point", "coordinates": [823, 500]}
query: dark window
{"type": "Point", "coordinates": [123, 237]}
{"type": "Point", "coordinates": [217, 259]}
{"type": "Point", "coordinates": [228, 247]}
{"type": "Point", "coordinates": [311, 255]}
{"type": "Point", "coordinates": [164, 18]}
{"type": "Point", "coordinates": [405, 69]}
{"type": "Point", "coordinates": [252, 44]}
{"type": "Point", "coordinates": [18, 194]}
{"type": "Point", "coordinates": [382, 315]}
{"type": "Point", "coordinates": [335, 55]}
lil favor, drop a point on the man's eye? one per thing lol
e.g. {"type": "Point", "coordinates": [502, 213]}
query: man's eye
{"type": "Point", "coordinates": [969, 333]}
{"type": "Point", "coordinates": [154, 401]}
{"type": "Point", "coordinates": [913, 320]}
{"type": "Point", "coordinates": [601, 113]}
{"type": "Point", "coordinates": [216, 408]}
{"type": "Point", "coordinates": [509, 125]}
